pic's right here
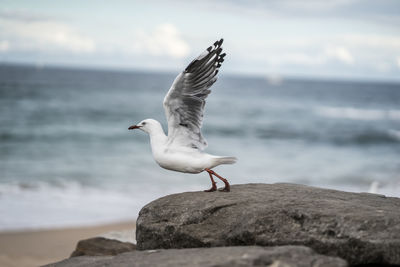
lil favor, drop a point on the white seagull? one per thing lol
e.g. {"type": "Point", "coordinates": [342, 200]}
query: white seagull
{"type": "Point", "coordinates": [183, 149]}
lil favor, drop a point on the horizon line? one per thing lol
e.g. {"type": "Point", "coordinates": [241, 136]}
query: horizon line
{"type": "Point", "coordinates": [272, 77]}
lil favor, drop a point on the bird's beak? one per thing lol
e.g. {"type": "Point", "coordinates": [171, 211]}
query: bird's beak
{"type": "Point", "coordinates": [134, 127]}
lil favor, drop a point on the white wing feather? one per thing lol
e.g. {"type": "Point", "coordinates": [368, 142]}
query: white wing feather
{"type": "Point", "coordinates": [185, 100]}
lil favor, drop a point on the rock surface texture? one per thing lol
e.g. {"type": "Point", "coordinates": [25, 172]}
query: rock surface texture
{"type": "Point", "coordinates": [284, 256]}
{"type": "Point", "coordinates": [359, 227]}
{"type": "Point", "coordinates": [101, 246]}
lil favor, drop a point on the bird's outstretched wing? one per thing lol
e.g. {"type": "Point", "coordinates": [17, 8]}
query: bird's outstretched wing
{"type": "Point", "coordinates": [185, 100]}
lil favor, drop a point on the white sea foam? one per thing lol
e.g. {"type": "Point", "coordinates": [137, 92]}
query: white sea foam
{"type": "Point", "coordinates": [47, 206]}
{"type": "Point", "coordinates": [391, 189]}
{"type": "Point", "coordinates": [124, 236]}
{"type": "Point", "coordinates": [42, 205]}
{"type": "Point", "coordinates": [357, 113]}
{"type": "Point", "coordinates": [374, 187]}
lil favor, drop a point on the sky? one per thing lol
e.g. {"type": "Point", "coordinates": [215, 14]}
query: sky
{"type": "Point", "coordinates": [345, 39]}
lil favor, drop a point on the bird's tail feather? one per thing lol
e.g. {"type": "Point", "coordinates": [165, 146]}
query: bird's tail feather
{"type": "Point", "coordinates": [226, 160]}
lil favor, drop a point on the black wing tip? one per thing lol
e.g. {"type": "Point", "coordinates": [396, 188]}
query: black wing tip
{"type": "Point", "coordinates": [217, 49]}
{"type": "Point", "coordinates": [219, 42]}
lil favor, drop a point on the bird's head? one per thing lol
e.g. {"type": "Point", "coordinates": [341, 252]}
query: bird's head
{"type": "Point", "coordinates": [145, 125]}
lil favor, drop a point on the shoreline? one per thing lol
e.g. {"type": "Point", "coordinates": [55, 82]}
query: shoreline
{"type": "Point", "coordinates": [39, 247]}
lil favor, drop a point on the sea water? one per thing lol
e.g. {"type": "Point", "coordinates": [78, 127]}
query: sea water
{"type": "Point", "coordinates": [67, 157]}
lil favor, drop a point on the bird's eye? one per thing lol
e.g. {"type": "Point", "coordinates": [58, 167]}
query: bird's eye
{"type": "Point", "coordinates": [143, 123]}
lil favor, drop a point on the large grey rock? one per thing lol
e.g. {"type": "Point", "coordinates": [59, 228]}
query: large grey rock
{"type": "Point", "coordinates": [359, 227]}
{"type": "Point", "coordinates": [285, 256]}
{"type": "Point", "coordinates": [98, 246]}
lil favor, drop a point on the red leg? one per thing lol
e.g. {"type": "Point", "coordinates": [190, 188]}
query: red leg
{"type": "Point", "coordinates": [213, 184]}
{"type": "Point", "coordinates": [227, 187]}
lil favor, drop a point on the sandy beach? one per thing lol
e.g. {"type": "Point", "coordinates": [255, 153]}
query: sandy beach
{"type": "Point", "coordinates": [35, 248]}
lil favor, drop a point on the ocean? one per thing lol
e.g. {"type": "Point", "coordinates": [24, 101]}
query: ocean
{"type": "Point", "coordinates": [68, 159]}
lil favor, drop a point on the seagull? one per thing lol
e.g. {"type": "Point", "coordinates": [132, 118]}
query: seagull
{"type": "Point", "coordinates": [182, 149]}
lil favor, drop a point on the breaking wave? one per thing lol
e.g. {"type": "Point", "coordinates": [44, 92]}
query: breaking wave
{"type": "Point", "coordinates": [43, 205]}
{"type": "Point", "coordinates": [354, 137]}
{"type": "Point", "coordinates": [358, 114]}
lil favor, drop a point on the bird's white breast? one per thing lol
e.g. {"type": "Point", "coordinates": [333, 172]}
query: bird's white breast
{"type": "Point", "coordinates": [191, 161]}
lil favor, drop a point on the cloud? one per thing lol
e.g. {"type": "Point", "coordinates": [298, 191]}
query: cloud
{"type": "Point", "coordinates": [311, 55]}
{"type": "Point", "coordinates": [320, 56]}
{"type": "Point", "coordinates": [4, 46]}
{"type": "Point", "coordinates": [340, 53]}
{"type": "Point", "coordinates": [18, 15]}
{"type": "Point", "coordinates": [165, 40]}
{"type": "Point", "coordinates": [277, 8]}
{"type": "Point", "coordinates": [375, 52]}
{"type": "Point", "coordinates": [24, 32]}
{"type": "Point", "coordinates": [312, 5]}
{"type": "Point", "coordinates": [383, 66]}
{"type": "Point", "coordinates": [354, 10]}
{"type": "Point", "coordinates": [372, 40]}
